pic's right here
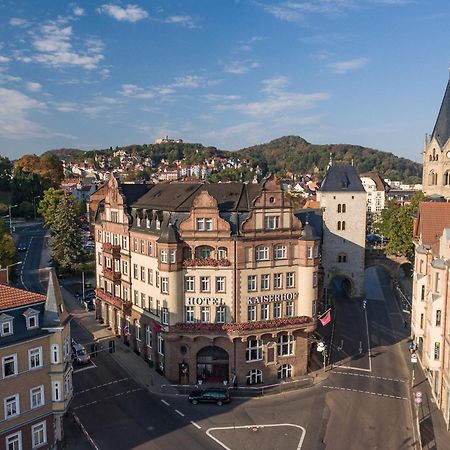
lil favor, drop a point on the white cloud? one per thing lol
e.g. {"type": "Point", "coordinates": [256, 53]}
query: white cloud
{"type": "Point", "coordinates": [240, 67]}
{"type": "Point", "coordinates": [4, 59]}
{"type": "Point", "coordinates": [186, 21]}
{"type": "Point", "coordinates": [18, 22]}
{"type": "Point", "coordinates": [129, 13]}
{"type": "Point", "coordinates": [274, 84]}
{"type": "Point", "coordinates": [342, 67]}
{"type": "Point", "coordinates": [243, 129]}
{"type": "Point", "coordinates": [33, 87]}
{"type": "Point", "coordinates": [221, 97]}
{"type": "Point", "coordinates": [78, 11]}
{"type": "Point", "coordinates": [54, 48]}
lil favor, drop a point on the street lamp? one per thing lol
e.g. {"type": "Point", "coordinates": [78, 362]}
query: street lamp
{"type": "Point", "coordinates": [10, 218]}
{"type": "Point", "coordinates": [322, 348]}
{"type": "Point", "coordinates": [7, 270]}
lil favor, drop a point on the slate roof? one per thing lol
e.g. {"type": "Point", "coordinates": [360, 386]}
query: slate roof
{"type": "Point", "coordinates": [433, 218]}
{"type": "Point", "coordinates": [133, 191]}
{"type": "Point", "coordinates": [11, 297]}
{"type": "Point", "coordinates": [441, 129]}
{"type": "Point", "coordinates": [342, 179]}
{"type": "Point", "coordinates": [312, 223]}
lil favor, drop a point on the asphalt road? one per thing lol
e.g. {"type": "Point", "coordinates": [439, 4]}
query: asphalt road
{"type": "Point", "coordinates": [363, 404]}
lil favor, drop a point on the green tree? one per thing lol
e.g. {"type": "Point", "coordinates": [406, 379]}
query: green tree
{"type": "Point", "coordinates": [67, 247]}
{"type": "Point", "coordinates": [49, 204]}
{"type": "Point", "coordinates": [26, 209]}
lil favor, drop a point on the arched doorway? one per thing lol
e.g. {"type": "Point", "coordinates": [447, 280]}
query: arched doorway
{"type": "Point", "coordinates": [212, 364]}
{"type": "Point", "coordinates": [341, 285]}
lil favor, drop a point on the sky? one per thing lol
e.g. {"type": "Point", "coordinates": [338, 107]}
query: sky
{"type": "Point", "coordinates": [227, 73]}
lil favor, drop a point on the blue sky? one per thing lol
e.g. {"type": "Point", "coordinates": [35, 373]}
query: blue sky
{"type": "Point", "coordinates": [94, 74]}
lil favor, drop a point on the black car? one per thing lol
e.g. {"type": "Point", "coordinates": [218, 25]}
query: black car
{"type": "Point", "coordinates": [22, 246]}
{"type": "Point", "coordinates": [219, 396]}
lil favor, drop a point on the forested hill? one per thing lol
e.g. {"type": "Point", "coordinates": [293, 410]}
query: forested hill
{"type": "Point", "coordinates": [286, 154]}
{"type": "Point", "coordinates": [294, 154]}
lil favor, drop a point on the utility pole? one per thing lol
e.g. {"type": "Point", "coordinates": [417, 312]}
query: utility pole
{"type": "Point", "coordinates": [10, 217]}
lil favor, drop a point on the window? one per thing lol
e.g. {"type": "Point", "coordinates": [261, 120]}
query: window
{"type": "Point", "coordinates": [150, 248]}
{"type": "Point", "coordinates": [164, 256]}
{"type": "Point", "coordinates": [125, 267]}
{"type": "Point", "coordinates": [158, 224]}
{"type": "Point", "coordinates": [173, 256]}
{"type": "Point", "coordinates": [421, 266]}
{"type": "Point", "coordinates": [203, 252]}
{"type": "Point", "coordinates": [189, 314]}
{"type": "Point", "coordinates": [37, 397]}
{"type": "Point", "coordinates": [116, 265]}
{"type": "Point", "coordinates": [280, 252]}
{"type": "Point", "coordinates": [277, 280]}
{"type": "Point", "coordinates": [222, 253]}
{"type": "Point", "coordinates": [6, 327]}
{"type": "Point", "coordinates": [316, 251]}
{"type": "Point", "coordinates": [160, 345]}
{"type": "Point", "coordinates": [165, 316]}
{"type": "Point", "coordinates": [290, 280]}
{"type": "Point", "coordinates": [150, 276]}
{"type": "Point", "coordinates": [204, 314]}
{"type": "Point", "coordinates": [125, 242]}
{"type": "Point", "coordinates": [148, 336]}
{"type": "Point", "coordinates": [254, 376]}
{"type": "Point", "coordinates": [32, 321]}
{"type": "Point", "coordinates": [157, 279]}
{"type": "Point", "coordinates": [339, 225]}
{"type": "Point", "coordinates": [11, 406]}
{"type": "Point", "coordinates": [55, 354]}
{"type": "Point", "coordinates": [108, 263]}
{"type": "Point", "coordinates": [189, 284]}
{"type": "Point", "coordinates": [136, 297]}
{"type": "Point", "coordinates": [438, 318]}
{"type": "Point", "coordinates": [254, 350]}
{"type": "Point", "coordinates": [38, 434]}
{"type": "Point", "coordinates": [276, 310]}
{"type": "Point", "coordinates": [309, 252]}
{"type": "Point", "coordinates": [135, 245]}
{"type": "Point", "coordinates": [285, 371]}
{"type": "Point", "coordinates": [220, 284]}
{"type": "Point", "coordinates": [315, 279]}
{"type": "Point", "coordinates": [135, 271]}
{"type": "Point", "coordinates": [56, 391]}
{"type": "Point", "coordinates": [265, 282]}
{"type": "Point", "coordinates": [251, 283]}
{"type": "Point", "coordinates": [437, 350]}
{"type": "Point", "coordinates": [285, 345]}
{"type": "Point", "coordinates": [137, 330]}
{"type": "Point", "coordinates": [272, 222]}
{"type": "Point", "coordinates": [35, 358]}
{"type": "Point", "coordinates": [204, 284]}
{"type": "Point", "coordinates": [142, 300]}
{"type": "Point", "coordinates": [290, 309]}
{"type": "Point", "coordinates": [99, 258]}
{"type": "Point", "coordinates": [220, 314]}
{"type": "Point", "coordinates": [437, 279]}
{"type": "Point", "coordinates": [262, 253]}
{"type": "Point", "coordinates": [342, 258]}
{"type": "Point", "coordinates": [421, 320]}
{"type": "Point", "coordinates": [264, 311]}
{"type": "Point", "coordinates": [164, 285]}
{"type": "Point", "coordinates": [14, 441]}
{"type": "Point", "coordinates": [142, 247]}
{"type": "Point", "coordinates": [251, 313]}
{"type": "Point", "coordinates": [142, 273]}
{"type": "Point", "coordinates": [339, 208]}
{"type": "Point", "coordinates": [138, 221]}
{"type": "Point", "coordinates": [148, 222]}
{"type": "Point", "coordinates": [204, 224]}
{"type": "Point", "coordinates": [422, 293]}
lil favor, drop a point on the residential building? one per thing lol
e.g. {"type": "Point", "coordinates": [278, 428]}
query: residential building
{"type": "Point", "coordinates": [214, 282]}
{"type": "Point", "coordinates": [436, 154]}
{"type": "Point", "coordinates": [376, 189]}
{"type": "Point", "coordinates": [36, 369]}
{"type": "Point", "coordinates": [343, 200]}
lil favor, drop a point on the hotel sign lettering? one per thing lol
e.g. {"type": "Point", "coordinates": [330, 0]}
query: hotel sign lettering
{"type": "Point", "coordinates": [202, 301]}
{"type": "Point", "coordinates": [272, 298]}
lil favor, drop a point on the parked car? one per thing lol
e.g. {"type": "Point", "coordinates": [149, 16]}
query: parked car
{"type": "Point", "coordinates": [89, 304]}
{"type": "Point", "coordinates": [219, 396]}
{"type": "Point", "coordinates": [80, 354]}
{"type": "Point", "coordinates": [22, 246]}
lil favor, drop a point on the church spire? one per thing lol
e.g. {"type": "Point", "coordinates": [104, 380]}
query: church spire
{"type": "Point", "coordinates": [441, 129]}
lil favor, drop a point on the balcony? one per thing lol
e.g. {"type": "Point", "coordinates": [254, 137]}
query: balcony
{"type": "Point", "coordinates": [206, 262]}
{"type": "Point", "coordinates": [109, 298]}
{"type": "Point", "coordinates": [111, 274]}
{"type": "Point", "coordinates": [107, 247]}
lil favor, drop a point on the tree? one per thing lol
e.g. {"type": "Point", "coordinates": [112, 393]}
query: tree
{"type": "Point", "coordinates": [67, 247]}
{"type": "Point", "coordinates": [49, 204]}
{"type": "Point", "coordinates": [8, 249]}
{"type": "Point", "coordinates": [25, 186]}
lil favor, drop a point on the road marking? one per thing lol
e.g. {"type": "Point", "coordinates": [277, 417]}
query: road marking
{"type": "Point", "coordinates": [369, 376]}
{"type": "Point", "coordinates": [353, 368]}
{"type": "Point", "coordinates": [83, 429]}
{"type": "Point", "coordinates": [101, 385]}
{"type": "Point", "coordinates": [23, 264]}
{"type": "Point", "coordinates": [368, 340]}
{"type": "Point", "coordinates": [179, 412]}
{"type": "Point", "coordinates": [379, 394]}
{"type": "Point", "coordinates": [167, 404]}
{"type": "Point", "coordinates": [130, 391]}
{"type": "Point", "coordinates": [93, 366]}
{"type": "Point", "coordinates": [300, 443]}
{"type": "Point", "coordinates": [196, 425]}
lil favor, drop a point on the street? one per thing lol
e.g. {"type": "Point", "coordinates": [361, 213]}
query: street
{"type": "Point", "coordinates": [363, 403]}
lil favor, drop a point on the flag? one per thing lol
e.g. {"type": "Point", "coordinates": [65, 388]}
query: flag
{"type": "Point", "coordinates": [156, 327]}
{"type": "Point", "coordinates": [325, 318]}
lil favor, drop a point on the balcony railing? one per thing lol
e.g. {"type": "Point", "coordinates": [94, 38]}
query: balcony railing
{"type": "Point", "coordinates": [206, 262]}
{"type": "Point", "coordinates": [110, 248]}
{"type": "Point", "coordinates": [110, 298]}
{"type": "Point", "coordinates": [237, 327]}
{"type": "Point", "coordinates": [111, 274]}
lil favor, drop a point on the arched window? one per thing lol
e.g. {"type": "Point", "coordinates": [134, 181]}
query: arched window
{"type": "Point", "coordinates": [222, 253]}
{"type": "Point", "coordinates": [280, 251]}
{"type": "Point", "coordinates": [254, 376]}
{"type": "Point", "coordinates": [339, 208]}
{"type": "Point", "coordinates": [344, 207]}
{"type": "Point", "coordinates": [342, 258]}
{"type": "Point", "coordinates": [285, 371]}
{"type": "Point", "coordinates": [203, 252]}
{"type": "Point", "coordinates": [343, 225]}
{"type": "Point", "coordinates": [55, 354]}
{"type": "Point", "coordinates": [431, 178]}
{"type": "Point", "coordinates": [254, 349]}
{"type": "Point", "coordinates": [261, 253]}
{"type": "Point", "coordinates": [447, 178]}
{"type": "Point", "coordinates": [339, 225]}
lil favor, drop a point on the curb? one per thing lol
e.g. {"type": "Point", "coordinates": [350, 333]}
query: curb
{"type": "Point", "coordinates": [86, 434]}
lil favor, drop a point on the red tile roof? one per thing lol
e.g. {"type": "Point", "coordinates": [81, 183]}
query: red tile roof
{"type": "Point", "coordinates": [433, 218]}
{"type": "Point", "coordinates": [11, 297]}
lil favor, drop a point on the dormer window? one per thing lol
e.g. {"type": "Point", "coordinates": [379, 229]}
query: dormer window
{"type": "Point", "coordinates": [158, 224]}
{"type": "Point", "coordinates": [272, 222]}
{"type": "Point", "coordinates": [138, 221]}
{"type": "Point", "coordinates": [148, 223]}
{"type": "Point", "coordinates": [6, 325]}
{"type": "Point", "coordinates": [32, 318]}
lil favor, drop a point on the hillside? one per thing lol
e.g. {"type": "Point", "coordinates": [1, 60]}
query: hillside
{"type": "Point", "coordinates": [285, 154]}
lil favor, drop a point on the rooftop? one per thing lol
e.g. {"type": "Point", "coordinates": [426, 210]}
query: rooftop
{"type": "Point", "coordinates": [11, 297]}
{"type": "Point", "coordinates": [342, 179]}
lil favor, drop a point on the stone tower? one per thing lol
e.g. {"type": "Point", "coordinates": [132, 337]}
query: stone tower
{"type": "Point", "coordinates": [343, 199]}
{"type": "Point", "coordinates": [436, 155]}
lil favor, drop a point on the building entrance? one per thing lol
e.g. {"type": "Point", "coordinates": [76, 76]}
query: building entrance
{"type": "Point", "coordinates": [212, 364]}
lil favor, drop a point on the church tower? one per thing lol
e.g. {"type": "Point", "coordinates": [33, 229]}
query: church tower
{"type": "Point", "coordinates": [343, 200]}
{"type": "Point", "coordinates": [436, 155]}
